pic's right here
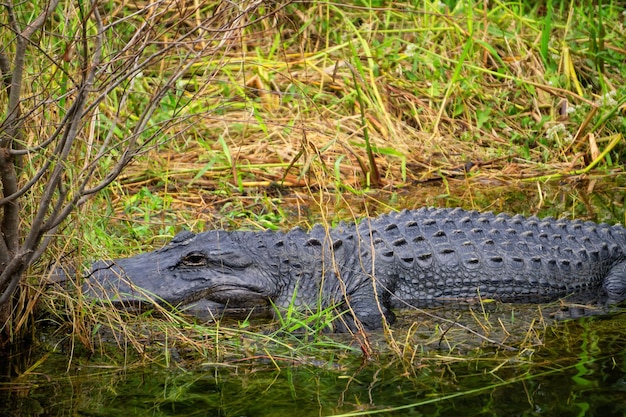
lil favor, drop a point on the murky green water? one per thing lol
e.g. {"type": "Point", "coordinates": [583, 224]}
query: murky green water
{"type": "Point", "coordinates": [579, 370]}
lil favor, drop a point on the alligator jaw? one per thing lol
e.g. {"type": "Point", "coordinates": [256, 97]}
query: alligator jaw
{"type": "Point", "coordinates": [108, 282]}
{"type": "Point", "coordinates": [207, 310]}
{"type": "Point", "coordinates": [128, 284]}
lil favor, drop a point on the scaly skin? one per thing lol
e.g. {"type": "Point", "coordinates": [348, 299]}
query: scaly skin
{"type": "Point", "coordinates": [412, 258]}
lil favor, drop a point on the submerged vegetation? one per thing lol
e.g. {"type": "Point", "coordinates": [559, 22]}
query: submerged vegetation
{"type": "Point", "coordinates": [269, 115]}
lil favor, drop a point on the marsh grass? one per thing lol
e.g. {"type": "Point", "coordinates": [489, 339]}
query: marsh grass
{"type": "Point", "coordinates": [324, 112]}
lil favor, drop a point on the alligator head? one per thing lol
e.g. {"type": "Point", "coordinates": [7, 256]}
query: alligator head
{"type": "Point", "coordinates": [208, 272]}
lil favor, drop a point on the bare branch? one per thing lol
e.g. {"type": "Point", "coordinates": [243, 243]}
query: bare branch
{"type": "Point", "coordinates": [18, 67]}
{"type": "Point", "coordinates": [10, 276]}
{"type": "Point", "coordinates": [5, 69]}
{"type": "Point", "coordinates": [55, 218]}
{"type": "Point", "coordinates": [10, 218]}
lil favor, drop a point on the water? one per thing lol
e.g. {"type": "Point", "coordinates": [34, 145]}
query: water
{"type": "Point", "coordinates": [580, 369]}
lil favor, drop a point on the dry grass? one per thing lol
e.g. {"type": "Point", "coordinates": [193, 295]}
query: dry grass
{"type": "Point", "coordinates": [436, 94]}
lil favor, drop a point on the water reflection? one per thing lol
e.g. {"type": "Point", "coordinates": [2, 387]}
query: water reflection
{"type": "Point", "coordinates": [580, 369]}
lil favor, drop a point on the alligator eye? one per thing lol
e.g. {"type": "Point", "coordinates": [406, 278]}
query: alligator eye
{"type": "Point", "coordinates": [195, 259]}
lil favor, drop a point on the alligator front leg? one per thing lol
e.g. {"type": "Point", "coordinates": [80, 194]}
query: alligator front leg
{"type": "Point", "coordinates": [368, 307]}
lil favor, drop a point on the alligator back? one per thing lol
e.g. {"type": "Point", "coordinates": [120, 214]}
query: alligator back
{"type": "Point", "coordinates": [430, 255]}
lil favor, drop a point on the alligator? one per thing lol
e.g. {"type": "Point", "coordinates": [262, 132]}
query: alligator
{"type": "Point", "coordinates": [420, 258]}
